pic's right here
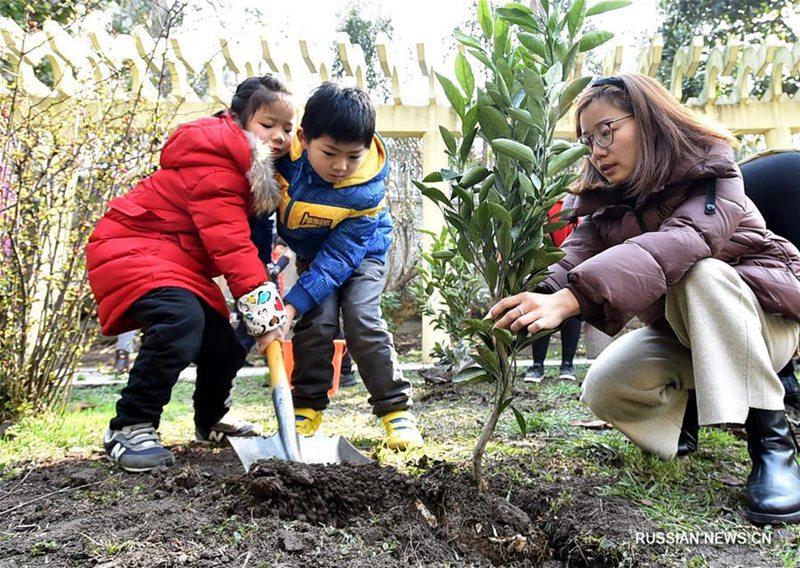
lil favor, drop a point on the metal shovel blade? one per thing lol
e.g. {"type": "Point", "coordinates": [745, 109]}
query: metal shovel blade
{"type": "Point", "coordinates": [316, 449]}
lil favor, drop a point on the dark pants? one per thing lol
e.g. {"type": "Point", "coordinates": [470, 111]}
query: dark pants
{"type": "Point", "coordinates": [368, 340]}
{"type": "Point", "coordinates": [179, 329]}
{"type": "Point", "coordinates": [570, 334]}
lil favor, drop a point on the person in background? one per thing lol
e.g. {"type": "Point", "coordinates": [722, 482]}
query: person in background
{"type": "Point", "coordinates": [770, 180]}
{"type": "Point", "coordinates": [122, 354]}
{"type": "Point", "coordinates": [570, 329]}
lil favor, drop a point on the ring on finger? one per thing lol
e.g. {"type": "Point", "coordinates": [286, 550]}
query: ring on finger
{"type": "Point", "coordinates": [521, 311]}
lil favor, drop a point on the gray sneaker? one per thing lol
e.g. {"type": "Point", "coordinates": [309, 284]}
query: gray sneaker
{"type": "Point", "coordinates": [229, 425]}
{"type": "Point", "coordinates": [137, 448]}
{"type": "Point", "coordinates": [534, 374]}
{"type": "Point", "coordinates": [567, 371]}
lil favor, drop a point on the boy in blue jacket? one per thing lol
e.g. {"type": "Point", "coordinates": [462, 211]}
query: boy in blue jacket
{"type": "Point", "coordinates": [333, 214]}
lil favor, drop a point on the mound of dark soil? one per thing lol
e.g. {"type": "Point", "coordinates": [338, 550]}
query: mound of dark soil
{"type": "Point", "coordinates": [441, 509]}
{"type": "Point", "coordinates": [204, 512]}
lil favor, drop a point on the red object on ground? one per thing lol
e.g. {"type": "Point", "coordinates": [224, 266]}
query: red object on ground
{"type": "Point", "coordinates": [339, 349]}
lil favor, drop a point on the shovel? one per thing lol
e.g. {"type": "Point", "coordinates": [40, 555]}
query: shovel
{"type": "Point", "coordinates": [285, 444]}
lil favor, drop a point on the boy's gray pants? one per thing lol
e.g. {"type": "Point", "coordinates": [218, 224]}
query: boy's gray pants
{"type": "Point", "coordinates": [368, 340]}
{"type": "Point", "coordinates": [722, 344]}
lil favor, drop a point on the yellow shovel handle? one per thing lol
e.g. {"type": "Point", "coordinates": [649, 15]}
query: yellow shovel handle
{"type": "Point", "coordinates": [277, 372]}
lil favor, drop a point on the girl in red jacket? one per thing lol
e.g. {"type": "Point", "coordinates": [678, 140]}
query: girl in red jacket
{"type": "Point", "coordinates": [153, 256]}
{"type": "Point", "coordinates": [670, 237]}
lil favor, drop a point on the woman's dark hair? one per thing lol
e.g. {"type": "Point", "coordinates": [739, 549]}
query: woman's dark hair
{"type": "Point", "coordinates": [255, 92]}
{"type": "Point", "coordinates": [344, 113]}
{"type": "Point", "coordinates": [668, 132]}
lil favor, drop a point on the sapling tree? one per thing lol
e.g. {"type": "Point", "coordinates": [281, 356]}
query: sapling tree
{"type": "Point", "coordinates": [460, 290]}
{"type": "Point", "coordinates": [498, 216]}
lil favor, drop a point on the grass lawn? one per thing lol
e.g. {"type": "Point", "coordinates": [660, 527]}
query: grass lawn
{"type": "Point", "coordinates": [564, 449]}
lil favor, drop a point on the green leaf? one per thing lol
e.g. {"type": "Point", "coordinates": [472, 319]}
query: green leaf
{"type": "Point", "coordinates": [503, 88]}
{"type": "Point", "coordinates": [433, 177]}
{"type": "Point", "coordinates": [487, 359]}
{"type": "Point", "coordinates": [513, 149]}
{"type": "Point", "coordinates": [522, 116]}
{"type": "Point", "coordinates": [467, 40]}
{"type": "Point", "coordinates": [533, 84]}
{"type": "Point", "coordinates": [552, 24]}
{"type": "Point", "coordinates": [483, 215]}
{"type": "Point", "coordinates": [548, 258]}
{"type": "Point", "coordinates": [462, 193]}
{"type": "Point", "coordinates": [575, 16]}
{"type": "Point", "coordinates": [471, 376]}
{"type": "Point", "coordinates": [491, 272]}
{"type": "Point", "coordinates": [453, 94]}
{"type": "Point", "coordinates": [443, 254]}
{"type": "Point", "coordinates": [503, 336]}
{"type": "Point", "coordinates": [483, 58]}
{"type": "Point", "coordinates": [504, 241]}
{"type": "Point", "coordinates": [555, 226]}
{"type": "Point", "coordinates": [559, 145]}
{"type": "Point", "coordinates": [505, 404]}
{"type": "Point", "coordinates": [449, 140]}
{"type": "Point", "coordinates": [521, 422]}
{"type": "Point", "coordinates": [466, 144]}
{"type": "Point", "coordinates": [470, 120]}
{"type": "Point", "coordinates": [553, 75]}
{"type": "Point", "coordinates": [464, 75]}
{"type": "Point", "coordinates": [501, 39]}
{"type": "Point", "coordinates": [486, 186]}
{"type": "Point", "coordinates": [495, 95]}
{"type": "Point", "coordinates": [565, 159]}
{"type": "Point", "coordinates": [533, 42]}
{"type": "Point", "coordinates": [485, 18]}
{"type": "Point", "coordinates": [500, 213]}
{"type": "Point", "coordinates": [475, 174]}
{"type": "Point", "coordinates": [593, 39]}
{"type": "Point", "coordinates": [601, 7]}
{"type": "Point", "coordinates": [493, 122]}
{"type": "Point", "coordinates": [432, 193]}
{"type": "Point", "coordinates": [518, 16]}
{"type": "Point", "coordinates": [525, 185]}
{"type": "Point", "coordinates": [568, 62]}
{"type": "Point", "coordinates": [465, 251]}
{"type": "Point", "coordinates": [571, 92]}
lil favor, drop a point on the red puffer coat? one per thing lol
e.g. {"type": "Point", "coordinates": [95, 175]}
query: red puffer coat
{"type": "Point", "coordinates": [185, 224]}
{"type": "Point", "coordinates": [620, 261]}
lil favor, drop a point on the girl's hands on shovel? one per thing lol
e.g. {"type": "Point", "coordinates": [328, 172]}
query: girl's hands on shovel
{"type": "Point", "coordinates": [277, 334]}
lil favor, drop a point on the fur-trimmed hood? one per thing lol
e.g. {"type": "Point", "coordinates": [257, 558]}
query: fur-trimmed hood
{"type": "Point", "coordinates": [263, 186]}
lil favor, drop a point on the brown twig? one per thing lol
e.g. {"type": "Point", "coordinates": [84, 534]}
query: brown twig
{"type": "Point", "coordinates": [18, 485]}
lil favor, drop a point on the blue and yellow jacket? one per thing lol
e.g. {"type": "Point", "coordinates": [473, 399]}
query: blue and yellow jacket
{"type": "Point", "coordinates": [332, 226]}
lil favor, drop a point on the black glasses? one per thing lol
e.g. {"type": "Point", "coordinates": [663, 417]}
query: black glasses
{"type": "Point", "coordinates": [603, 135]}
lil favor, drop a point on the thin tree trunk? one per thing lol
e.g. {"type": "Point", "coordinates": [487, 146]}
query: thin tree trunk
{"type": "Point", "coordinates": [501, 394]}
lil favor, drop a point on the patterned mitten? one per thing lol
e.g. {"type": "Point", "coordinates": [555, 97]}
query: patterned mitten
{"type": "Point", "coordinates": [262, 309]}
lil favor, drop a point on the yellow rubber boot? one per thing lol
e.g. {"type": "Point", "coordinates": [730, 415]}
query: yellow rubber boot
{"type": "Point", "coordinates": [307, 421]}
{"type": "Point", "coordinates": [402, 432]}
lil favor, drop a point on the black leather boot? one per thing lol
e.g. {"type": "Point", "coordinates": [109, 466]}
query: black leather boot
{"type": "Point", "coordinates": [773, 488]}
{"type": "Point", "coordinates": [121, 361]}
{"type": "Point", "coordinates": [791, 397]}
{"type": "Point", "coordinates": [687, 441]}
